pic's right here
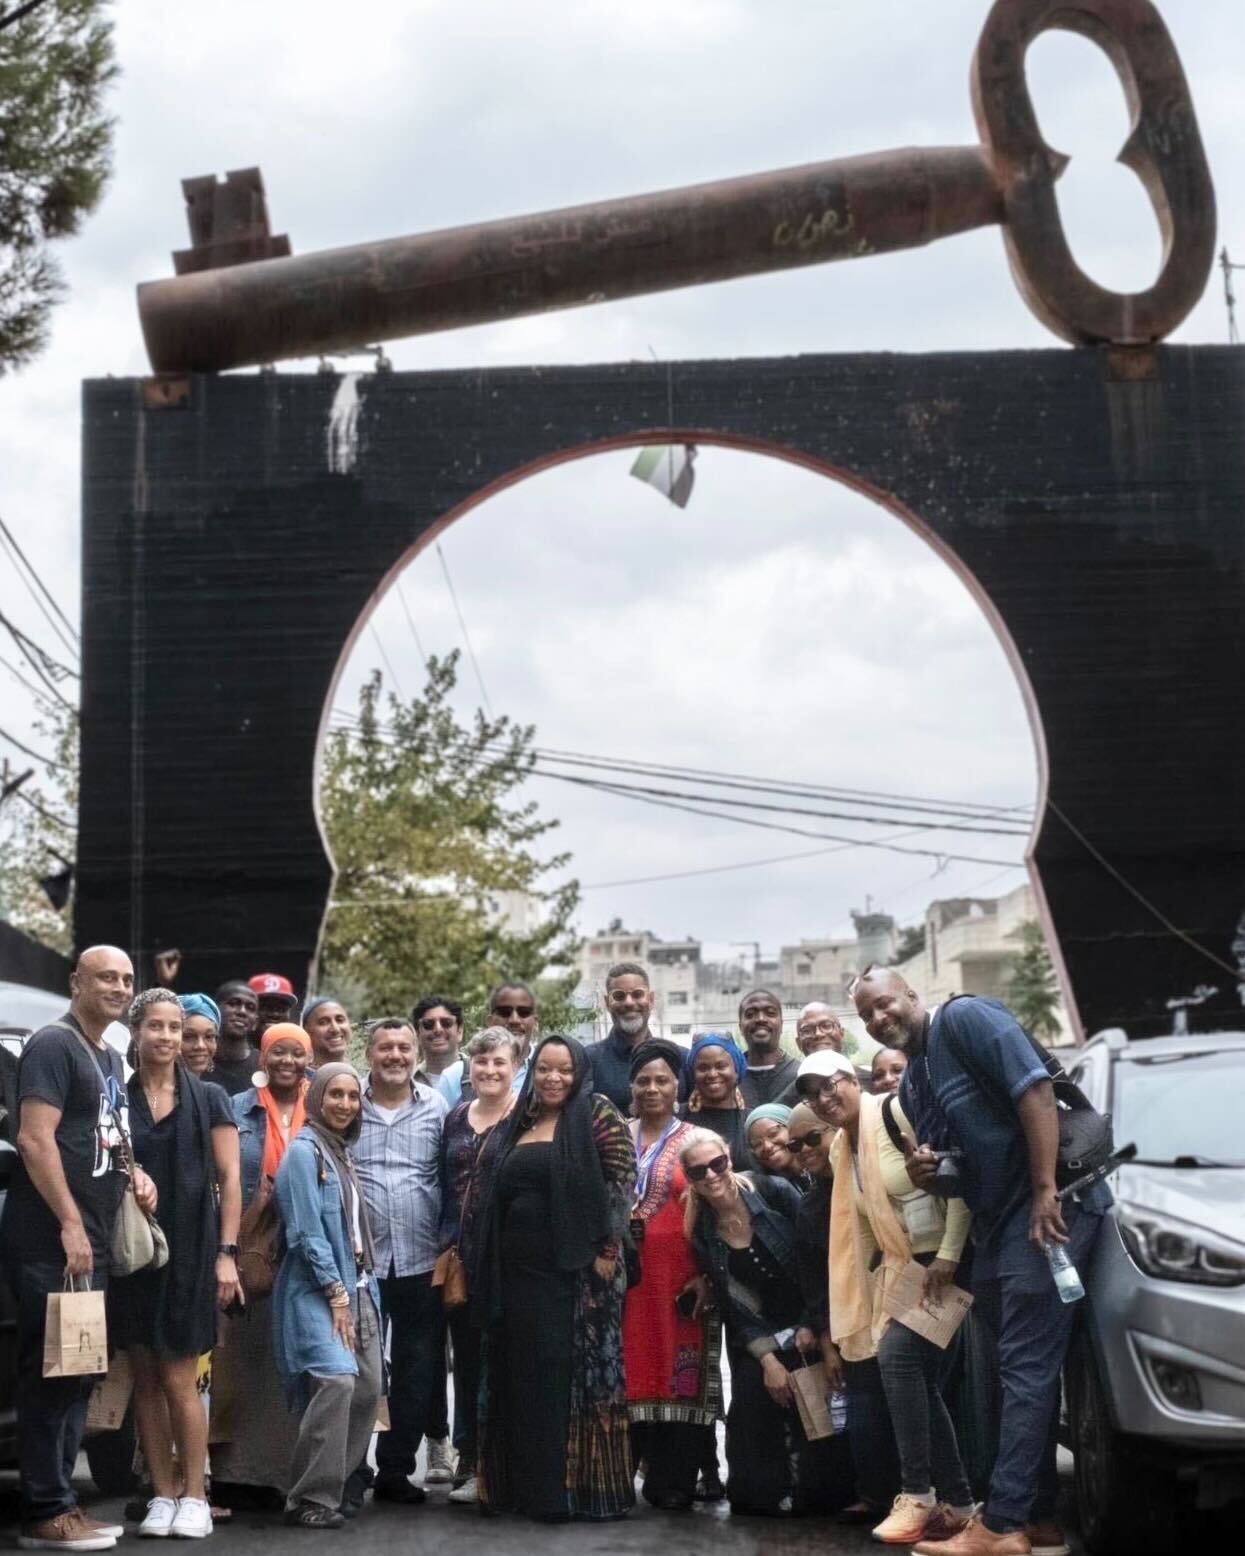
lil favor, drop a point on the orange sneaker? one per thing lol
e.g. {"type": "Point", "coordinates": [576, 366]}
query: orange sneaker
{"type": "Point", "coordinates": [906, 1522]}
{"type": "Point", "coordinates": [976, 1540]}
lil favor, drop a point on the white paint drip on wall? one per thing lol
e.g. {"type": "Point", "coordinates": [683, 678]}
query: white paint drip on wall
{"type": "Point", "coordinates": [342, 436]}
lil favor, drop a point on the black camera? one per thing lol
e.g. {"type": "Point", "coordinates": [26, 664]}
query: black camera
{"type": "Point", "coordinates": [948, 1179]}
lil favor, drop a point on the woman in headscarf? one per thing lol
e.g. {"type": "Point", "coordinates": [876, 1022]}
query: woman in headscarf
{"type": "Point", "coordinates": [769, 1143]}
{"type": "Point", "coordinates": [549, 1284]}
{"type": "Point", "coordinates": [880, 1224]}
{"type": "Point", "coordinates": [252, 1432]}
{"type": "Point", "coordinates": [712, 1070]}
{"type": "Point", "coordinates": [326, 1303]}
{"type": "Point", "coordinates": [185, 1139]}
{"type": "Point", "coordinates": [674, 1384]}
{"type": "Point", "coordinates": [200, 1033]}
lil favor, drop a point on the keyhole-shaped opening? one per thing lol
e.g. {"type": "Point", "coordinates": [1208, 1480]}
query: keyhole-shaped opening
{"type": "Point", "coordinates": [1111, 227]}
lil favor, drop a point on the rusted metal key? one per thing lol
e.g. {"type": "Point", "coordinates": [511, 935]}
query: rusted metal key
{"type": "Point", "coordinates": [238, 300]}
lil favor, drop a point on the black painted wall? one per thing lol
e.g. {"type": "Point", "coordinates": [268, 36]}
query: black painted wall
{"type": "Point", "coordinates": [226, 565]}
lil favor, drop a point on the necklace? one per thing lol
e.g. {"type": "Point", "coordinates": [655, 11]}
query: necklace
{"type": "Point", "coordinates": [153, 1096]}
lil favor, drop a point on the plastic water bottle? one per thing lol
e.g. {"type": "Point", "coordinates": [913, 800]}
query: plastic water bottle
{"type": "Point", "coordinates": [838, 1410]}
{"type": "Point", "coordinates": [1067, 1281]}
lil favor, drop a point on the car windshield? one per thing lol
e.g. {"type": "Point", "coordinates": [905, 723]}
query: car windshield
{"type": "Point", "coordinates": [1182, 1105]}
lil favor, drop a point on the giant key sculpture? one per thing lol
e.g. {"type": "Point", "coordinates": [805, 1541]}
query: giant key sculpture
{"type": "Point", "coordinates": [239, 299]}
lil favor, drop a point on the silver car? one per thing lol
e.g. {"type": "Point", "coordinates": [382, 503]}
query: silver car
{"type": "Point", "coordinates": [1156, 1375]}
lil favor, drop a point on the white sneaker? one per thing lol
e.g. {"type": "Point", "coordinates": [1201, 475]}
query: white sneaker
{"type": "Point", "coordinates": [193, 1521]}
{"type": "Point", "coordinates": [469, 1491]}
{"type": "Point", "coordinates": [161, 1511]}
{"type": "Point", "coordinates": [441, 1462]}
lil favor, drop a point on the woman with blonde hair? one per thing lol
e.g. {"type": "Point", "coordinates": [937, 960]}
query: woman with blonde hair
{"type": "Point", "coordinates": [879, 1224]}
{"type": "Point", "coordinates": [742, 1229]}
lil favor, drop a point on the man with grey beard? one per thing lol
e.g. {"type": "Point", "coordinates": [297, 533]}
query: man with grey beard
{"type": "Point", "coordinates": [629, 1001]}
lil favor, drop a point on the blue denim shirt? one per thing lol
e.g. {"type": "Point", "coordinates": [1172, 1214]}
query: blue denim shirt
{"type": "Point", "coordinates": [252, 1122]}
{"type": "Point", "coordinates": [317, 1253]}
{"type": "Point", "coordinates": [772, 1204]}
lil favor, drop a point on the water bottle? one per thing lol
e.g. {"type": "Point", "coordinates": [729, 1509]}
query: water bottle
{"type": "Point", "coordinates": [838, 1410]}
{"type": "Point", "coordinates": [1067, 1281]}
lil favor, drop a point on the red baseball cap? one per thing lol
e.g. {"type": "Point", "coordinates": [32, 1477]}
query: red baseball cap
{"type": "Point", "coordinates": [272, 984]}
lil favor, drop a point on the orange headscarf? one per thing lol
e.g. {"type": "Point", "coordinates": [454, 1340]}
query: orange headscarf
{"type": "Point", "coordinates": [276, 1136]}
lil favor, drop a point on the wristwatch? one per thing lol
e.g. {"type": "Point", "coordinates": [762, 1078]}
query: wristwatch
{"type": "Point", "coordinates": [230, 1249]}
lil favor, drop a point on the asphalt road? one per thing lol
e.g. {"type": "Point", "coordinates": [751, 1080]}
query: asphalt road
{"type": "Point", "coordinates": [441, 1529]}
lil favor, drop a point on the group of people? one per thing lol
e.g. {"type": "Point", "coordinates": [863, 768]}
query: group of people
{"type": "Point", "coordinates": [583, 1233]}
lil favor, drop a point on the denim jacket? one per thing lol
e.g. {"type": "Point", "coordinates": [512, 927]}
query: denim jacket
{"type": "Point", "coordinates": [317, 1253]}
{"type": "Point", "coordinates": [252, 1122]}
{"type": "Point", "coordinates": [772, 1204]}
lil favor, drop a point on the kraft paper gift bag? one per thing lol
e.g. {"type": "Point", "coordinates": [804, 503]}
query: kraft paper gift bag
{"type": "Point", "coordinates": [810, 1388]}
{"type": "Point", "coordinates": [75, 1338]}
{"type": "Point", "coordinates": [110, 1398]}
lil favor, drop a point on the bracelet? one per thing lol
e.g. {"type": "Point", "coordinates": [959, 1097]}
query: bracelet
{"type": "Point", "coordinates": [339, 1302]}
{"type": "Point", "coordinates": [336, 1293]}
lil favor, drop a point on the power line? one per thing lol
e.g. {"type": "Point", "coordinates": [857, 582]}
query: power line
{"type": "Point", "coordinates": [1157, 913]}
{"type": "Point", "coordinates": [471, 653]}
{"type": "Point", "coordinates": [47, 814]}
{"type": "Point", "coordinates": [33, 755]}
{"type": "Point", "coordinates": [796, 810]}
{"type": "Point", "coordinates": [410, 621]}
{"type": "Point", "coordinates": [39, 660]}
{"type": "Point", "coordinates": [393, 676]}
{"type": "Point", "coordinates": [718, 869]}
{"type": "Point", "coordinates": [21, 679]}
{"type": "Point", "coordinates": [773, 826]}
{"type": "Point", "coordinates": [72, 640]}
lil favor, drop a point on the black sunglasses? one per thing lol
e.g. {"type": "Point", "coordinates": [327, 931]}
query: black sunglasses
{"type": "Point", "coordinates": [506, 1011]}
{"type": "Point", "coordinates": [717, 1165]}
{"type": "Point", "coordinates": [431, 1023]}
{"type": "Point", "coordinates": [808, 1142]}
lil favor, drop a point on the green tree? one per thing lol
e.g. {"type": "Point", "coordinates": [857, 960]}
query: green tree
{"type": "Point", "coordinates": [55, 145]}
{"type": "Point", "coordinates": [1032, 989]}
{"type": "Point", "coordinates": [428, 836]}
{"type": "Point", "coordinates": [911, 941]}
{"type": "Point", "coordinates": [38, 828]}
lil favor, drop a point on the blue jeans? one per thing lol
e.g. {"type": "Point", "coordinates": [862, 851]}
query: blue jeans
{"type": "Point", "coordinates": [1017, 1301]}
{"type": "Point", "coordinates": [51, 1412]}
{"type": "Point", "coordinates": [416, 1319]}
{"type": "Point", "coordinates": [929, 1456]}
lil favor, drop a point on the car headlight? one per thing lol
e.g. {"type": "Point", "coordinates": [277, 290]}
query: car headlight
{"type": "Point", "coordinates": [1177, 1250]}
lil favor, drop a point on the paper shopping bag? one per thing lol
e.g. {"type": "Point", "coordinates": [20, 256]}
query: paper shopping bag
{"type": "Point", "coordinates": [110, 1398]}
{"type": "Point", "coordinates": [809, 1384]}
{"type": "Point", "coordinates": [75, 1337]}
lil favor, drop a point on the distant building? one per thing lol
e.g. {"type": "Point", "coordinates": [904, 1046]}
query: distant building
{"type": "Point", "coordinates": [969, 946]}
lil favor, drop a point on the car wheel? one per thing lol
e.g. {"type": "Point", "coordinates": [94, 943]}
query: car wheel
{"type": "Point", "coordinates": [110, 1456]}
{"type": "Point", "coordinates": [1122, 1505]}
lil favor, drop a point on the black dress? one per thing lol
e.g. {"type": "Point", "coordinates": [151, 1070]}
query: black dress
{"type": "Point", "coordinates": [538, 1308]}
{"type": "Point", "coordinates": [728, 1124]}
{"type": "Point", "coordinates": [173, 1310]}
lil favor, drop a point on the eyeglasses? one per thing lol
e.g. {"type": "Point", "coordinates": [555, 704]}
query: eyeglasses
{"type": "Point", "coordinates": [808, 1142]}
{"type": "Point", "coordinates": [831, 1082]}
{"type": "Point", "coordinates": [506, 1011]}
{"type": "Point", "coordinates": [716, 1165]}
{"type": "Point", "coordinates": [431, 1023]}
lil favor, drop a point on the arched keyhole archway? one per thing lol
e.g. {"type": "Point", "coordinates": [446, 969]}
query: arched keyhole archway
{"type": "Point", "coordinates": [781, 600]}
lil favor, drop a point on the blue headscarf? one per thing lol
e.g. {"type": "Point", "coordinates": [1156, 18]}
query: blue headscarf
{"type": "Point", "coordinates": [714, 1040]}
{"type": "Point", "coordinates": [200, 1005]}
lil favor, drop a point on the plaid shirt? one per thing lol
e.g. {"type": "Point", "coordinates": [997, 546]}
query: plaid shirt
{"type": "Point", "coordinates": [397, 1165]}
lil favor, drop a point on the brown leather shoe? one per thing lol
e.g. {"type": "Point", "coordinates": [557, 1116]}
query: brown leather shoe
{"type": "Point", "coordinates": [1047, 1540]}
{"type": "Point", "coordinates": [976, 1540]}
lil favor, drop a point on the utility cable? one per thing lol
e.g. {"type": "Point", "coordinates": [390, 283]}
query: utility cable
{"type": "Point", "coordinates": [410, 621]}
{"type": "Point", "coordinates": [393, 676]}
{"type": "Point", "coordinates": [462, 623]}
{"type": "Point", "coordinates": [33, 755]}
{"type": "Point", "coordinates": [1157, 913]}
{"type": "Point", "coordinates": [71, 641]}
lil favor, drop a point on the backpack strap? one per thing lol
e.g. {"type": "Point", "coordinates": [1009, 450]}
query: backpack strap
{"type": "Point", "coordinates": [892, 1128]}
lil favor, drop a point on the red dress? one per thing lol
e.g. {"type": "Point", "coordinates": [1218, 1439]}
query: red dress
{"type": "Point", "coordinates": [669, 1377]}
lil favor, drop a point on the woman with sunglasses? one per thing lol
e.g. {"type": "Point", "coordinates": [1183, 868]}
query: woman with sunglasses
{"type": "Point", "coordinates": [674, 1383]}
{"type": "Point", "coordinates": [879, 1224]}
{"type": "Point", "coordinates": [742, 1230]}
{"type": "Point", "coordinates": [554, 1435]}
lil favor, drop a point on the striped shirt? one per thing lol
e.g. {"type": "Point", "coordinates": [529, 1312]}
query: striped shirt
{"type": "Point", "coordinates": [396, 1158]}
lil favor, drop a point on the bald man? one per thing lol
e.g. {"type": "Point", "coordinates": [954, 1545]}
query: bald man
{"type": "Point", "coordinates": [58, 1219]}
{"type": "Point", "coordinates": [976, 1083]}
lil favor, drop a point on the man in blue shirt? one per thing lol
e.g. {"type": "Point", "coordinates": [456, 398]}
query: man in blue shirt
{"type": "Point", "coordinates": [629, 1001]}
{"type": "Point", "coordinates": [976, 1084]}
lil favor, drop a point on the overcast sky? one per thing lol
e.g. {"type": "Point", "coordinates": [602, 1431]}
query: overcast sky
{"type": "Point", "coordinates": [761, 630]}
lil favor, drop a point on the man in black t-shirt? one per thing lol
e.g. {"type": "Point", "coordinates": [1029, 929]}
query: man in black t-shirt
{"type": "Point", "coordinates": [237, 1058]}
{"type": "Point", "coordinates": [58, 1219]}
